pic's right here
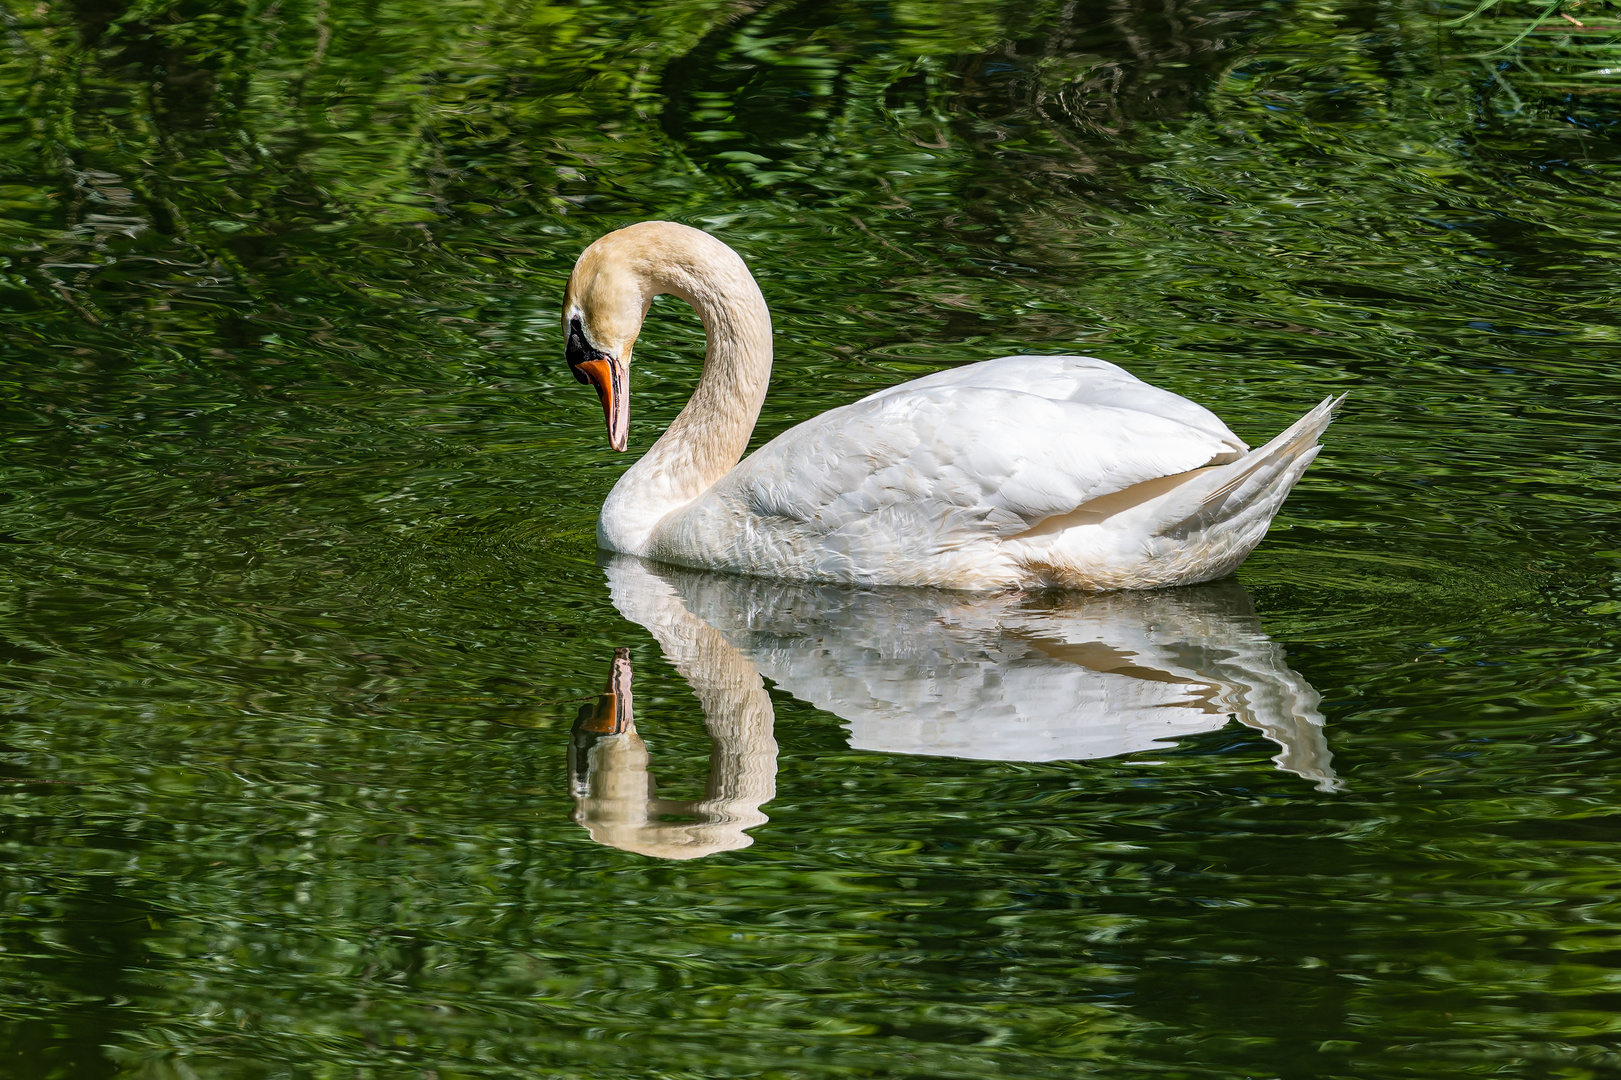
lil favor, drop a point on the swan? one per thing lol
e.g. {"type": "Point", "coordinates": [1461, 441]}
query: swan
{"type": "Point", "coordinates": [1019, 472]}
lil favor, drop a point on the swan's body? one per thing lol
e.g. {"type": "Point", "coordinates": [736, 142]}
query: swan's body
{"type": "Point", "coordinates": [1024, 471]}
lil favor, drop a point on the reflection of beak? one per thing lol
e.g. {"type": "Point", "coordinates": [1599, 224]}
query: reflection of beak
{"type": "Point", "coordinates": [609, 376]}
{"type": "Point", "coordinates": [610, 714]}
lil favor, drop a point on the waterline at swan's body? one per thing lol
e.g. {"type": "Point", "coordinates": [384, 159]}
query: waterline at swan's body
{"type": "Point", "coordinates": [1025, 471]}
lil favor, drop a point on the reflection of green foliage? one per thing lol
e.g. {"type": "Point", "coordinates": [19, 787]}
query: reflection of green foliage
{"type": "Point", "coordinates": [1565, 47]}
{"type": "Point", "coordinates": [297, 524]}
{"type": "Point", "coordinates": [339, 106]}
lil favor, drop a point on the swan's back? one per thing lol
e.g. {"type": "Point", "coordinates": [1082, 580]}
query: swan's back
{"type": "Point", "coordinates": [1080, 379]}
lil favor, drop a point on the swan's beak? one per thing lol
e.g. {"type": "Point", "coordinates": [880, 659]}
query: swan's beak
{"type": "Point", "coordinates": [608, 375]}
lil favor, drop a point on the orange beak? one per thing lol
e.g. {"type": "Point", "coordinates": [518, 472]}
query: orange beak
{"type": "Point", "coordinates": [609, 377]}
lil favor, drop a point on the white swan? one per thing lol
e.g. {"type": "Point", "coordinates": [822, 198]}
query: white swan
{"type": "Point", "coordinates": [1026, 471]}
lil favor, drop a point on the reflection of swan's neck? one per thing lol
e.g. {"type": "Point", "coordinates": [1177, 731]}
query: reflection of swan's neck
{"type": "Point", "coordinates": [616, 796]}
{"type": "Point", "coordinates": [711, 433]}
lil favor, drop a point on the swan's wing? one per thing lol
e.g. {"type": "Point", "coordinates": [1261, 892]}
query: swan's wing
{"type": "Point", "coordinates": [888, 487]}
{"type": "Point", "coordinates": [921, 483]}
{"type": "Point", "coordinates": [1081, 379]}
{"type": "Point", "coordinates": [979, 461]}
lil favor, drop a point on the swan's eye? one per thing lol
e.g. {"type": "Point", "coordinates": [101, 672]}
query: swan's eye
{"type": "Point", "coordinates": [578, 350]}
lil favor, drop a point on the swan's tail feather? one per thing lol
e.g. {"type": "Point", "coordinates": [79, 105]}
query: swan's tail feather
{"type": "Point", "coordinates": [1258, 471]}
{"type": "Point", "coordinates": [1198, 528]}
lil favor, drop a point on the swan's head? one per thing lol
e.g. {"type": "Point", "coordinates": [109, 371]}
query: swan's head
{"type": "Point", "coordinates": [614, 282]}
{"type": "Point", "coordinates": [603, 311]}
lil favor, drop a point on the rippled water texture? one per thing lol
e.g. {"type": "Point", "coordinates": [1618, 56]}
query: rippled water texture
{"type": "Point", "coordinates": [328, 736]}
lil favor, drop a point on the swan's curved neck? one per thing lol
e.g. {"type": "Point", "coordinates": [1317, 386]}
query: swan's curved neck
{"type": "Point", "coordinates": [711, 433]}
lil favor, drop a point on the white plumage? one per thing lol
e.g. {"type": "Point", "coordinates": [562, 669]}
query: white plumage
{"type": "Point", "coordinates": [1023, 471]}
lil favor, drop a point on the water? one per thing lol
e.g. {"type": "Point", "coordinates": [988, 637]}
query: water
{"type": "Point", "coordinates": [306, 635]}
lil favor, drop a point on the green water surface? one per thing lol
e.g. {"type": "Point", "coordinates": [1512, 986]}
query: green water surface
{"type": "Point", "coordinates": [301, 597]}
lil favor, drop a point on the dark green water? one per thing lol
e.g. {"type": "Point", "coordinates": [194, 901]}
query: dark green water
{"type": "Point", "coordinates": [302, 598]}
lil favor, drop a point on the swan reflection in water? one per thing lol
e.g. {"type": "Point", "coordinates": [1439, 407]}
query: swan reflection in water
{"type": "Point", "coordinates": [1006, 677]}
